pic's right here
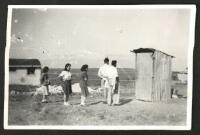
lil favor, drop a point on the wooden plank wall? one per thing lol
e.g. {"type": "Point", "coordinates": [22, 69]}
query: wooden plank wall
{"type": "Point", "coordinates": [144, 69]}
{"type": "Point", "coordinates": [156, 77]}
{"type": "Point", "coordinates": [162, 77]}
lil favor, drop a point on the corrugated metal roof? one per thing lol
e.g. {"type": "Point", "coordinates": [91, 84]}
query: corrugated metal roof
{"type": "Point", "coordinates": [24, 63]}
{"type": "Point", "coordinates": [141, 50]}
{"type": "Point", "coordinates": [146, 50]}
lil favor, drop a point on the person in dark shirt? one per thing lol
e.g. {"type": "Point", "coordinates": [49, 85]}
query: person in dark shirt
{"type": "Point", "coordinates": [116, 90]}
{"type": "Point", "coordinates": [83, 84]}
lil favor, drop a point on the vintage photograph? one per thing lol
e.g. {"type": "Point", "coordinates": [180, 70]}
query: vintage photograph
{"type": "Point", "coordinates": [99, 67]}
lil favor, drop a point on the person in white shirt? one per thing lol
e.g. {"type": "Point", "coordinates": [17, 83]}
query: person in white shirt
{"type": "Point", "coordinates": [108, 74]}
{"type": "Point", "coordinates": [65, 75]}
{"type": "Point", "coordinates": [102, 74]}
{"type": "Point", "coordinates": [112, 75]}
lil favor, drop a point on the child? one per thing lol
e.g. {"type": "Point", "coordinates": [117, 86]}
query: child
{"type": "Point", "coordinates": [66, 78]}
{"type": "Point", "coordinates": [83, 84]}
{"type": "Point", "coordinates": [44, 81]}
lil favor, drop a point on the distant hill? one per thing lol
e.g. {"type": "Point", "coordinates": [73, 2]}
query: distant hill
{"type": "Point", "coordinates": [124, 73]}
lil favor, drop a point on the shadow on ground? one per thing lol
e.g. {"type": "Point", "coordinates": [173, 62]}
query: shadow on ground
{"type": "Point", "coordinates": [124, 101]}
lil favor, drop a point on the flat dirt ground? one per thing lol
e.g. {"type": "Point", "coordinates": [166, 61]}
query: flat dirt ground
{"type": "Point", "coordinates": [28, 110]}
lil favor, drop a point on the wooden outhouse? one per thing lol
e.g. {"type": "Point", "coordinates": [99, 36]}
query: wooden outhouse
{"type": "Point", "coordinates": [153, 74]}
{"type": "Point", "coordinates": [24, 71]}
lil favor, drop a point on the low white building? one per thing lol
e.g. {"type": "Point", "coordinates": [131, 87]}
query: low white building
{"type": "Point", "coordinates": [24, 71]}
{"type": "Point", "coordinates": [182, 76]}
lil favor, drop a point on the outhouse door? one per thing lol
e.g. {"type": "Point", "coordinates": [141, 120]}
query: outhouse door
{"type": "Point", "coordinates": [144, 69]}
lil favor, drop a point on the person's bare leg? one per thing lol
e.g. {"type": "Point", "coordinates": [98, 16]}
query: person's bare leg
{"type": "Point", "coordinates": [83, 98]}
{"type": "Point", "coordinates": [65, 101]}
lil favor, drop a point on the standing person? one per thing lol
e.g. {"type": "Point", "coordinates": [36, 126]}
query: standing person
{"type": "Point", "coordinates": [102, 73]}
{"type": "Point", "coordinates": [111, 79]}
{"type": "Point", "coordinates": [70, 86]}
{"type": "Point", "coordinates": [66, 78]}
{"type": "Point", "coordinates": [44, 82]}
{"type": "Point", "coordinates": [116, 88]}
{"type": "Point", "coordinates": [83, 84]}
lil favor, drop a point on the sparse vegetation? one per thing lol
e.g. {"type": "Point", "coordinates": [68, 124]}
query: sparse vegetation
{"type": "Point", "coordinates": [28, 110]}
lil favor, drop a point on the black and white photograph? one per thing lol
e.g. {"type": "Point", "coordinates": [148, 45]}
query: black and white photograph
{"type": "Point", "coordinates": [99, 67]}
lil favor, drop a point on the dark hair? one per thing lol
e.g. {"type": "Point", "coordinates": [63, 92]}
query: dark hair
{"type": "Point", "coordinates": [84, 67]}
{"type": "Point", "coordinates": [106, 60]}
{"type": "Point", "coordinates": [114, 63]}
{"type": "Point", "coordinates": [45, 69]}
{"type": "Point", "coordinates": [66, 66]}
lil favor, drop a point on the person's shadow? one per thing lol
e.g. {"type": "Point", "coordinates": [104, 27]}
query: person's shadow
{"type": "Point", "coordinates": [94, 103]}
{"type": "Point", "coordinates": [122, 102]}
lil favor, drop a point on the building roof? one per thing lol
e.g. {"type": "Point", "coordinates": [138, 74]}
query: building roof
{"type": "Point", "coordinates": [180, 72]}
{"type": "Point", "coordinates": [24, 63]}
{"type": "Point", "coordinates": [146, 50]}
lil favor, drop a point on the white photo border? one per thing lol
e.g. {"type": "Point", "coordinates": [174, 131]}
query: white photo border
{"type": "Point", "coordinates": [188, 125]}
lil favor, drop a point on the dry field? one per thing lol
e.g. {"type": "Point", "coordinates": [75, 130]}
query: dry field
{"type": "Point", "coordinates": [28, 109]}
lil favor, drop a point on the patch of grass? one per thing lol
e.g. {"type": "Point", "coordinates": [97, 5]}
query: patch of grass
{"type": "Point", "coordinates": [18, 119]}
{"type": "Point", "coordinates": [37, 107]}
{"type": "Point", "coordinates": [22, 88]}
{"type": "Point", "coordinates": [28, 110]}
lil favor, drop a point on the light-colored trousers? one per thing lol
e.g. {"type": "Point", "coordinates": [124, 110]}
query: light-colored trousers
{"type": "Point", "coordinates": [104, 89]}
{"type": "Point", "coordinates": [116, 97]}
{"type": "Point", "coordinates": [83, 98]}
{"type": "Point", "coordinates": [109, 95]}
{"type": "Point", "coordinates": [112, 98]}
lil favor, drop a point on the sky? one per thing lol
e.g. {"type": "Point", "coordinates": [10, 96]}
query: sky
{"type": "Point", "coordinates": [88, 35]}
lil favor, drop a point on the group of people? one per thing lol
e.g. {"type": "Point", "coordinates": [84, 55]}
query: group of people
{"type": "Point", "coordinates": [110, 81]}
{"type": "Point", "coordinates": [107, 73]}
